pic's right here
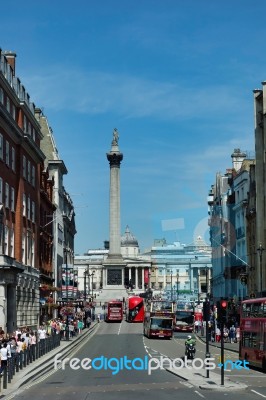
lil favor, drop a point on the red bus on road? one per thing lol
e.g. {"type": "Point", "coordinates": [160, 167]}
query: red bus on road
{"type": "Point", "coordinates": [253, 332]}
{"type": "Point", "coordinates": [184, 317]}
{"type": "Point", "coordinates": [114, 311]}
{"type": "Point", "coordinates": [135, 309]}
{"type": "Point", "coordinates": [158, 320]}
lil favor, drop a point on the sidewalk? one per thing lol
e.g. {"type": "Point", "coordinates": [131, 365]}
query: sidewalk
{"type": "Point", "coordinates": [197, 377]}
{"type": "Point", "coordinates": [227, 346]}
{"type": "Point", "coordinates": [44, 364]}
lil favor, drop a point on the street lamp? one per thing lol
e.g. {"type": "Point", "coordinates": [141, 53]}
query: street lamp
{"type": "Point", "coordinates": [260, 251]}
{"type": "Point", "coordinates": [171, 285]}
{"type": "Point", "coordinates": [91, 276]}
{"type": "Point", "coordinates": [85, 285]}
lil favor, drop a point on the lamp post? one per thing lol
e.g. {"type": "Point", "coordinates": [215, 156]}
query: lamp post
{"type": "Point", "coordinates": [207, 318]}
{"type": "Point", "coordinates": [91, 276]}
{"type": "Point", "coordinates": [260, 251]}
{"type": "Point", "coordinates": [171, 285]}
{"type": "Point", "coordinates": [85, 286]}
{"type": "Point", "coordinates": [177, 288]}
{"type": "Point", "coordinates": [67, 283]}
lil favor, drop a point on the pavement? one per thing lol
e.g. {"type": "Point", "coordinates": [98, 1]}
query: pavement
{"type": "Point", "coordinates": [44, 364]}
{"type": "Point", "coordinates": [197, 377]}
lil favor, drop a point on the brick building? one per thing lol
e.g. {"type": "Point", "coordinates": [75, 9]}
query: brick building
{"type": "Point", "coordinates": [26, 204]}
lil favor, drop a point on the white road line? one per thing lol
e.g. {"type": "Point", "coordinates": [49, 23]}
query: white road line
{"type": "Point", "coordinates": [200, 394]}
{"type": "Point", "coordinates": [119, 328]}
{"type": "Point", "coordinates": [254, 391]}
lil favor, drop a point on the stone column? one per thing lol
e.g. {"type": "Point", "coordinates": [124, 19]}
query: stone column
{"type": "Point", "coordinates": [136, 278]}
{"type": "Point", "coordinates": [114, 157]}
{"type": "Point", "coordinates": [142, 278]}
{"type": "Point", "coordinates": [3, 319]}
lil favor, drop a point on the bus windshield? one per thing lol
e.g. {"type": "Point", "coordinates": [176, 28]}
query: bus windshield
{"type": "Point", "coordinates": [161, 323]}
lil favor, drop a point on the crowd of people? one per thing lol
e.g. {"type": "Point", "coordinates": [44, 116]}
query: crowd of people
{"type": "Point", "coordinates": [25, 338]}
{"type": "Point", "coordinates": [231, 333]}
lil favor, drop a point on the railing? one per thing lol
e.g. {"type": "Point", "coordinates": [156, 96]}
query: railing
{"type": "Point", "coordinates": [18, 361]}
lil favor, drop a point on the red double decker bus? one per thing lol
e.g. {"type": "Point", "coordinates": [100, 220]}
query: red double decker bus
{"type": "Point", "coordinates": [158, 320]}
{"type": "Point", "coordinates": [114, 311]}
{"type": "Point", "coordinates": [253, 332]}
{"type": "Point", "coordinates": [134, 309]}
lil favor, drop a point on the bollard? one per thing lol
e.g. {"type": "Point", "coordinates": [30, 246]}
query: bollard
{"type": "Point", "coordinates": [5, 378]}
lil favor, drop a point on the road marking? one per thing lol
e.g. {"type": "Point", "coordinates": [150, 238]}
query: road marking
{"type": "Point", "coordinates": [200, 394]}
{"type": "Point", "coordinates": [119, 328]}
{"type": "Point", "coordinates": [254, 391]}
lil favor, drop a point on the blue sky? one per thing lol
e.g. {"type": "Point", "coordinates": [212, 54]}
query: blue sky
{"type": "Point", "coordinates": [175, 78]}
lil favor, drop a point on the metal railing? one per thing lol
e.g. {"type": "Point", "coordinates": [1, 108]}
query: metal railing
{"type": "Point", "coordinates": [18, 361]}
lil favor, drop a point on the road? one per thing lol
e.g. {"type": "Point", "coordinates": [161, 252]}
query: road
{"type": "Point", "coordinates": [115, 340]}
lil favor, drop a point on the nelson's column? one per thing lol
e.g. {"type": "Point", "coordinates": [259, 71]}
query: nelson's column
{"type": "Point", "coordinates": [114, 265]}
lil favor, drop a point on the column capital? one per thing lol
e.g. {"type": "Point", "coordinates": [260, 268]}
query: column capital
{"type": "Point", "coordinates": [114, 159]}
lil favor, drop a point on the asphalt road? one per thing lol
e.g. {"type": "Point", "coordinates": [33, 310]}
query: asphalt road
{"type": "Point", "coordinates": [115, 340]}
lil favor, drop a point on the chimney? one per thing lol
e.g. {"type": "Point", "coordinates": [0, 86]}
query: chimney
{"type": "Point", "coordinates": [11, 59]}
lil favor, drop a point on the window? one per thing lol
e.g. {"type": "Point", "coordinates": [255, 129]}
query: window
{"type": "Point", "coordinates": [6, 241]}
{"type": "Point", "coordinates": [33, 134]}
{"type": "Point", "coordinates": [1, 147]}
{"type": "Point", "coordinates": [29, 248]}
{"type": "Point", "coordinates": [7, 154]}
{"type": "Point", "coordinates": [29, 170]}
{"type": "Point", "coordinates": [25, 124]}
{"type": "Point", "coordinates": [24, 166]}
{"type": "Point", "coordinates": [8, 104]}
{"type": "Point", "coordinates": [28, 209]}
{"type": "Point", "coordinates": [33, 176]}
{"type": "Point", "coordinates": [11, 242]}
{"type": "Point", "coordinates": [13, 112]}
{"type": "Point", "coordinates": [32, 252]}
{"type": "Point", "coordinates": [7, 195]}
{"type": "Point", "coordinates": [13, 159]}
{"type": "Point", "coordinates": [29, 128]}
{"type": "Point", "coordinates": [12, 200]}
{"type": "Point", "coordinates": [1, 190]}
{"type": "Point", "coordinates": [33, 211]}
{"type": "Point", "coordinates": [1, 96]}
{"type": "Point", "coordinates": [60, 234]}
{"type": "Point", "coordinates": [23, 248]}
{"type": "Point", "coordinates": [24, 205]}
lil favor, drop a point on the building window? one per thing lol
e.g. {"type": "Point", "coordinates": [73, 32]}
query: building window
{"type": "Point", "coordinates": [33, 211]}
{"type": "Point", "coordinates": [25, 124]}
{"type": "Point", "coordinates": [7, 154]}
{"type": "Point", "coordinates": [13, 159]}
{"type": "Point", "coordinates": [28, 209]}
{"type": "Point", "coordinates": [6, 241]}
{"type": "Point", "coordinates": [1, 96]}
{"type": "Point", "coordinates": [33, 176]}
{"type": "Point", "coordinates": [32, 252]}
{"type": "Point", "coordinates": [29, 171]}
{"type": "Point", "coordinates": [12, 200]}
{"type": "Point", "coordinates": [24, 167]}
{"type": "Point", "coordinates": [29, 128]}
{"type": "Point", "coordinates": [7, 195]}
{"type": "Point", "coordinates": [1, 147]}
{"type": "Point", "coordinates": [23, 248]}
{"type": "Point", "coordinates": [12, 242]}
{"type": "Point", "coordinates": [1, 190]}
{"type": "Point", "coordinates": [24, 205]}
{"type": "Point", "coordinates": [60, 234]}
{"type": "Point", "coordinates": [14, 112]}
{"type": "Point", "coordinates": [8, 104]}
{"type": "Point", "coordinates": [33, 134]}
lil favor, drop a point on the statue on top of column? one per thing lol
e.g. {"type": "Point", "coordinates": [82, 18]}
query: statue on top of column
{"type": "Point", "coordinates": [115, 137]}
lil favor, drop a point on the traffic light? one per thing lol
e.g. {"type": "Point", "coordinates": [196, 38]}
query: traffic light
{"type": "Point", "coordinates": [206, 311]}
{"type": "Point", "coordinates": [221, 306]}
